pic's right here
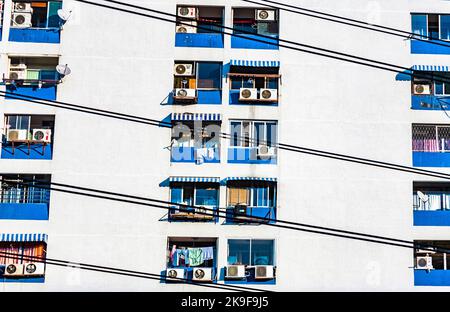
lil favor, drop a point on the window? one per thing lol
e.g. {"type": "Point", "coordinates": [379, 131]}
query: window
{"type": "Point", "coordinates": [28, 123]}
{"type": "Point", "coordinates": [190, 134]}
{"type": "Point", "coordinates": [251, 193]}
{"type": "Point", "coordinates": [250, 252]}
{"type": "Point", "coordinates": [33, 70]}
{"type": "Point", "coordinates": [43, 14]}
{"type": "Point", "coordinates": [20, 250]}
{"type": "Point", "coordinates": [440, 260]}
{"type": "Point", "coordinates": [253, 133]}
{"type": "Point", "coordinates": [204, 75]}
{"type": "Point", "coordinates": [245, 22]}
{"type": "Point", "coordinates": [14, 193]}
{"type": "Point", "coordinates": [181, 252]}
{"type": "Point", "coordinates": [437, 195]}
{"type": "Point", "coordinates": [435, 26]}
{"type": "Point", "coordinates": [201, 194]}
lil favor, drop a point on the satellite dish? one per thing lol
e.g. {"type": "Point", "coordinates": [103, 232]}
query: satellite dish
{"type": "Point", "coordinates": [63, 70]}
{"type": "Point", "coordinates": [424, 198]}
{"type": "Point", "coordinates": [63, 14]}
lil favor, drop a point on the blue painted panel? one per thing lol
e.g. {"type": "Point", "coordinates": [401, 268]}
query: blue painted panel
{"type": "Point", "coordinates": [425, 47]}
{"type": "Point", "coordinates": [40, 279]}
{"type": "Point", "coordinates": [40, 35]}
{"type": "Point", "coordinates": [432, 218]}
{"type": "Point", "coordinates": [234, 100]}
{"type": "Point", "coordinates": [204, 40]}
{"type": "Point", "coordinates": [209, 97]}
{"type": "Point", "coordinates": [187, 154]}
{"type": "Point", "coordinates": [430, 102]}
{"type": "Point", "coordinates": [432, 278]}
{"type": "Point", "coordinates": [268, 212]}
{"type": "Point", "coordinates": [247, 155]}
{"type": "Point", "coordinates": [24, 211]}
{"type": "Point", "coordinates": [21, 152]}
{"type": "Point", "coordinates": [431, 159]}
{"type": "Point", "coordinates": [45, 93]}
{"type": "Point", "coordinates": [244, 43]}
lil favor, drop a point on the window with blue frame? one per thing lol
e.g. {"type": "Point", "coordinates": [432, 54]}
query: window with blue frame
{"type": "Point", "coordinates": [431, 263]}
{"type": "Point", "coordinates": [430, 27]}
{"type": "Point", "coordinates": [24, 197]}
{"type": "Point", "coordinates": [205, 195]}
{"type": "Point", "coordinates": [199, 27]}
{"type": "Point", "coordinates": [254, 85]}
{"type": "Point", "coordinates": [251, 252]}
{"type": "Point", "coordinates": [28, 137]}
{"type": "Point", "coordinates": [196, 141]}
{"type": "Point", "coordinates": [258, 198]}
{"type": "Point", "coordinates": [197, 82]}
{"type": "Point", "coordinates": [430, 90]}
{"type": "Point", "coordinates": [35, 21]}
{"type": "Point", "coordinates": [431, 145]}
{"type": "Point", "coordinates": [431, 203]}
{"type": "Point", "coordinates": [16, 267]}
{"type": "Point", "coordinates": [255, 28]}
{"type": "Point", "coordinates": [195, 258]}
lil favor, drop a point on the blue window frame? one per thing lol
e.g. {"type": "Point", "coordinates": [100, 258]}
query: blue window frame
{"type": "Point", "coordinates": [430, 27]}
{"type": "Point", "coordinates": [252, 133]}
{"type": "Point", "coordinates": [251, 252]}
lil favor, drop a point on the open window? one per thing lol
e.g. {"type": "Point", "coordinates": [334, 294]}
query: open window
{"type": "Point", "coordinates": [28, 136]}
{"type": "Point", "coordinates": [255, 21]}
{"type": "Point", "coordinates": [209, 19]}
{"type": "Point", "coordinates": [191, 258]}
{"type": "Point", "coordinates": [35, 14]}
{"type": "Point", "coordinates": [251, 260]}
{"type": "Point", "coordinates": [39, 71]}
{"type": "Point", "coordinates": [191, 78]}
{"type": "Point", "coordinates": [15, 261]}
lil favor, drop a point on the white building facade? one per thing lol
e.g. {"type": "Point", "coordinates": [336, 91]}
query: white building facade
{"type": "Point", "coordinates": [202, 82]}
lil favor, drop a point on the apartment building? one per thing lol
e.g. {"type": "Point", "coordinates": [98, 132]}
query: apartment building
{"type": "Point", "coordinates": [202, 83]}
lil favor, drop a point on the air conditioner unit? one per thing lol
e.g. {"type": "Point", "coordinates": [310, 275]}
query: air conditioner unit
{"type": "Point", "coordinates": [34, 268]}
{"type": "Point", "coordinates": [21, 20]}
{"type": "Point", "coordinates": [174, 274]}
{"type": "Point", "coordinates": [184, 29]}
{"type": "Point", "coordinates": [188, 12]}
{"type": "Point", "coordinates": [185, 93]}
{"type": "Point", "coordinates": [235, 272]}
{"type": "Point", "coordinates": [18, 71]}
{"type": "Point", "coordinates": [265, 151]}
{"type": "Point", "coordinates": [202, 274]}
{"type": "Point", "coordinates": [22, 7]}
{"type": "Point", "coordinates": [422, 89]}
{"type": "Point", "coordinates": [42, 135]}
{"type": "Point", "coordinates": [268, 94]}
{"type": "Point", "coordinates": [265, 15]}
{"type": "Point", "coordinates": [240, 212]}
{"type": "Point", "coordinates": [248, 94]}
{"type": "Point", "coordinates": [13, 270]}
{"type": "Point", "coordinates": [264, 272]}
{"type": "Point", "coordinates": [183, 70]}
{"type": "Point", "coordinates": [424, 263]}
{"type": "Point", "coordinates": [16, 135]}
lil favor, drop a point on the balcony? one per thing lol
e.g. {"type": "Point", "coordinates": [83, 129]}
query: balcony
{"type": "Point", "coordinates": [246, 215]}
{"type": "Point", "coordinates": [205, 40]}
{"type": "Point", "coordinates": [36, 35]}
{"type": "Point", "coordinates": [431, 145]}
{"type": "Point", "coordinates": [203, 214]}
{"type": "Point", "coordinates": [432, 278]}
{"type": "Point", "coordinates": [181, 154]}
{"type": "Point", "coordinates": [249, 155]}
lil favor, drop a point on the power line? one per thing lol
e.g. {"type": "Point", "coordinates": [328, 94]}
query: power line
{"type": "Point", "coordinates": [353, 22]}
{"type": "Point", "coordinates": [123, 272]}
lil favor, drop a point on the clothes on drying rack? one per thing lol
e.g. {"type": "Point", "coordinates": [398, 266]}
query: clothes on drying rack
{"type": "Point", "coordinates": [195, 256]}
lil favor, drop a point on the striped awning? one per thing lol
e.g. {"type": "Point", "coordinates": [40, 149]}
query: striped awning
{"type": "Point", "coordinates": [250, 179]}
{"type": "Point", "coordinates": [194, 179]}
{"type": "Point", "coordinates": [254, 63]}
{"type": "Point", "coordinates": [434, 68]}
{"type": "Point", "coordinates": [196, 117]}
{"type": "Point", "coordinates": [19, 237]}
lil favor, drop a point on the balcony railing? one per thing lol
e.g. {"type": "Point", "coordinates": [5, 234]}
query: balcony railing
{"type": "Point", "coordinates": [251, 213]}
{"type": "Point", "coordinates": [436, 201]}
{"type": "Point", "coordinates": [24, 196]}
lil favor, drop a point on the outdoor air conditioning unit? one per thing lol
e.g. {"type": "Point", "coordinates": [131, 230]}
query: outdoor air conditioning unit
{"type": "Point", "coordinates": [202, 274]}
{"type": "Point", "coordinates": [265, 151]}
{"type": "Point", "coordinates": [21, 20]}
{"type": "Point", "coordinates": [34, 268]}
{"type": "Point", "coordinates": [188, 12]}
{"type": "Point", "coordinates": [184, 29]}
{"type": "Point", "coordinates": [16, 135]}
{"type": "Point", "coordinates": [183, 70]}
{"type": "Point", "coordinates": [42, 135]}
{"type": "Point", "coordinates": [268, 94]}
{"type": "Point", "coordinates": [18, 71]}
{"type": "Point", "coordinates": [264, 272]}
{"type": "Point", "coordinates": [424, 263]}
{"type": "Point", "coordinates": [422, 89]}
{"type": "Point", "coordinates": [184, 93]}
{"type": "Point", "coordinates": [248, 94]}
{"type": "Point", "coordinates": [13, 270]}
{"type": "Point", "coordinates": [265, 15]}
{"type": "Point", "coordinates": [174, 274]}
{"type": "Point", "coordinates": [22, 7]}
{"type": "Point", "coordinates": [235, 272]}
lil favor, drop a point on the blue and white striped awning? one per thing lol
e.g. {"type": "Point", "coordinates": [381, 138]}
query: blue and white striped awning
{"type": "Point", "coordinates": [434, 68]}
{"type": "Point", "coordinates": [254, 63]}
{"type": "Point", "coordinates": [194, 179]}
{"type": "Point", "coordinates": [196, 117]}
{"type": "Point", "coordinates": [33, 237]}
{"type": "Point", "coordinates": [250, 179]}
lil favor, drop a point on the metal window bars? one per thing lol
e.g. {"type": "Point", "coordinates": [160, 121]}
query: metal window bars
{"type": "Point", "coordinates": [431, 138]}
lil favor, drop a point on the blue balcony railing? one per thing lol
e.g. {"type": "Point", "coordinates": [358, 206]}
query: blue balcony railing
{"type": "Point", "coordinates": [428, 47]}
{"type": "Point", "coordinates": [195, 155]}
{"type": "Point", "coordinates": [430, 102]}
{"type": "Point", "coordinates": [27, 150]}
{"type": "Point", "coordinates": [37, 35]}
{"type": "Point", "coordinates": [210, 214]}
{"type": "Point", "coordinates": [24, 204]}
{"type": "Point", "coordinates": [250, 41]}
{"type": "Point", "coordinates": [433, 212]}
{"type": "Point", "coordinates": [431, 277]}
{"type": "Point", "coordinates": [248, 155]}
{"type": "Point", "coordinates": [199, 40]}
{"type": "Point", "coordinates": [252, 211]}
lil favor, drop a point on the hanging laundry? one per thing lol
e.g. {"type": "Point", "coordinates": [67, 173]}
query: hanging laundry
{"type": "Point", "coordinates": [207, 253]}
{"type": "Point", "coordinates": [195, 256]}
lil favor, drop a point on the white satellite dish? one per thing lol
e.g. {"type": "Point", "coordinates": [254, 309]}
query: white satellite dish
{"type": "Point", "coordinates": [63, 14]}
{"type": "Point", "coordinates": [63, 70]}
{"type": "Point", "coordinates": [424, 198]}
